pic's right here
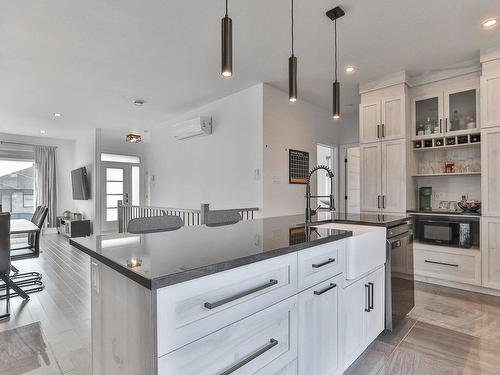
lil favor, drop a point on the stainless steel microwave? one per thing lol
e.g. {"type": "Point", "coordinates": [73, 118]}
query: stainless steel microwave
{"type": "Point", "coordinates": [447, 230]}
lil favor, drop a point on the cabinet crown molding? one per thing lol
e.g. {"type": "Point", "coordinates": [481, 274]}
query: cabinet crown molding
{"type": "Point", "coordinates": [489, 54]}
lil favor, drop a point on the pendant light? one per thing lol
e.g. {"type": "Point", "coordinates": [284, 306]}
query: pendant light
{"type": "Point", "coordinates": [333, 14]}
{"type": "Point", "coordinates": [227, 45]}
{"type": "Point", "coordinates": [292, 70]}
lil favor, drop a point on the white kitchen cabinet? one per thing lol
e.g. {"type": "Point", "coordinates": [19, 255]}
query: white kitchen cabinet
{"type": "Point", "coordinates": [363, 314]}
{"type": "Point", "coordinates": [371, 176]}
{"type": "Point", "coordinates": [383, 176]}
{"type": "Point", "coordinates": [490, 168]}
{"type": "Point", "coordinates": [393, 118]}
{"type": "Point", "coordinates": [319, 346]}
{"type": "Point", "coordinates": [382, 119]}
{"type": "Point", "coordinates": [263, 343]}
{"type": "Point", "coordinates": [370, 121]}
{"type": "Point", "coordinates": [452, 111]}
{"type": "Point", "coordinates": [393, 176]}
{"type": "Point", "coordinates": [490, 252]}
{"type": "Point", "coordinates": [490, 101]}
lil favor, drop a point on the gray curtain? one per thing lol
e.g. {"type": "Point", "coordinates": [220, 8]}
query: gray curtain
{"type": "Point", "coordinates": [45, 181]}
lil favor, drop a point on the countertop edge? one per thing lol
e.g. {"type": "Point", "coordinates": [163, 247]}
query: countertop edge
{"type": "Point", "coordinates": [124, 271]}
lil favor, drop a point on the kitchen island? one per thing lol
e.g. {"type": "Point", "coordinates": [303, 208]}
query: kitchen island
{"type": "Point", "coordinates": [263, 296]}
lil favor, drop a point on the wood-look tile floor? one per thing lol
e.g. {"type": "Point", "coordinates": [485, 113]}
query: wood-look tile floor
{"type": "Point", "coordinates": [449, 331]}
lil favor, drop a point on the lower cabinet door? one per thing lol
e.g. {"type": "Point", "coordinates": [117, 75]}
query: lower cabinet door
{"type": "Point", "coordinates": [374, 320]}
{"type": "Point", "coordinates": [263, 343]}
{"type": "Point", "coordinates": [355, 304]}
{"type": "Point", "coordinates": [319, 328]}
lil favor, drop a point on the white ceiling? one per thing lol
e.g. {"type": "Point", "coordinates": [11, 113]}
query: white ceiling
{"type": "Point", "coordinates": [89, 59]}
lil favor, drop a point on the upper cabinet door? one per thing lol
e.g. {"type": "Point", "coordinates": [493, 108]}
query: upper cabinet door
{"type": "Point", "coordinates": [427, 116]}
{"type": "Point", "coordinates": [461, 110]}
{"type": "Point", "coordinates": [490, 102]}
{"type": "Point", "coordinates": [490, 172]}
{"type": "Point", "coordinates": [369, 122]}
{"type": "Point", "coordinates": [394, 176]}
{"type": "Point", "coordinates": [393, 118]}
{"type": "Point", "coordinates": [370, 175]}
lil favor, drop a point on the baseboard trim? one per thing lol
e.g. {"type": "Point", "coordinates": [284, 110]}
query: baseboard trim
{"type": "Point", "coordinates": [453, 284]}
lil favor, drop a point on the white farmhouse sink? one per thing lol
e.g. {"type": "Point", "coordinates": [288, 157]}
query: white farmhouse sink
{"type": "Point", "coordinates": [365, 250]}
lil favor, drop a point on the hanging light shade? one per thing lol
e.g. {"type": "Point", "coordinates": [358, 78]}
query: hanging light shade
{"type": "Point", "coordinates": [333, 14]}
{"type": "Point", "coordinates": [227, 45]}
{"type": "Point", "coordinates": [336, 100]}
{"type": "Point", "coordinates": [292, 70]}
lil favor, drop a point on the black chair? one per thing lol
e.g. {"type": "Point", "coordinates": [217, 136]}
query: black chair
{"type": "Point", "coordinates": [33, 245]}
{"type": "Point", "coordinates": [8, 284]}
{"type": "Point", "coordinates": [219, 218]}
{"type": "Point", "coordinates": [154, 224]}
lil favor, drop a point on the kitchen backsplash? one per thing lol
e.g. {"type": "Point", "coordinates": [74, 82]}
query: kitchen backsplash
{"type": "Point", "coordinates": [451, 188]}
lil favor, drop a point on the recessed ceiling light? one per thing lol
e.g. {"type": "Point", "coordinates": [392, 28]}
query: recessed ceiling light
{"type": "Point", "coordinates": [42, 131]}
{"type": "Point", "coordinates": [350, 69]}
{"type": "Point", "coordinates": [133, 138]}
{"type": "Point", "coordinates": [139, 102]}
{"type": "Point", "coordinates": [57, 115]}
{"type": "Point", "coordinates": [489, 23]}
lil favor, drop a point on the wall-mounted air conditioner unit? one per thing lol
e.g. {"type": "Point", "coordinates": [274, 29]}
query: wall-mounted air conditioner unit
{"type": "Point", "coordinates": [193, 128]}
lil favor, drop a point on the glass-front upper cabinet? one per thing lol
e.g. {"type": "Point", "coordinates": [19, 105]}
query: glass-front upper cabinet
{"type": "Point", "coordinates": [461, 110]}
{"type": "Point", "coordinates": [427, 116]}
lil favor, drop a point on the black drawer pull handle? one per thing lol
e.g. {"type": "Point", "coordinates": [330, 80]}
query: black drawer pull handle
{"type": "Point", "coordinates": [443, 264]}
{"type": "Point", "coordinates": [213, 305]}
{"type": "Point", "coordinates": [367, 299]}
{"type": "Point", "coordinates": [370, 298]}
{"type": "Point", "coordinates": [318, 265]}
{"type": "Point", "coordinates": [251, 357]}
{"type": "Point", "coordinates": [320, 292]}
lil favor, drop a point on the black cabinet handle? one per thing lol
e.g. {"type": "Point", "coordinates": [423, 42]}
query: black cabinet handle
{"type": "Point", "coordinates": [319, 265]}
{"type": "Point", "coordinates": [251, 357]}
{"type": "Point", "coordinates": [378, 131]}
{"type": "Point", "coordinates": [383, 130]}
{"type": "Point", "coordinates": [213, 305]}
{"type": "Point", "coordinates": [440, 125]}
{"type": "Point", "coordinates": [378, 201]}
{"type": "Point", "coordinates": [367, 298]}
{"type": "Point", "coordinates": [446, 124]}
{"type": "Point", "coordinates": [383, 201]}
{"type": "Point", "coordinates": [320, 292]}
{"type": "Point", "coordinates": [443, 264]}
{"type": "Point", "coordinates": [370, 298]}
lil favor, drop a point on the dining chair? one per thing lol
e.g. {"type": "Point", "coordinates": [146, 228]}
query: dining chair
{"type": "Point", "coordinates": [154, 224]}
{"type": "Point", "coordinates": [8, 284]}
{"type": "Point", "coordinates": [219, 218]}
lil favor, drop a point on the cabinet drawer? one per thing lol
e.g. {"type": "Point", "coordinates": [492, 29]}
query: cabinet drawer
{"type": "Point", "coordinates": [320, 263]}
{"type": "Point", "coordinates": [196, 308]}
{"type": "Point", "coordinates": [264, 343]}
{"type": "Point", "coordinates": [463, 268]}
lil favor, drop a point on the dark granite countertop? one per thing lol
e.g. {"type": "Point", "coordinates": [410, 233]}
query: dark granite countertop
{"type": "Point", "coordinates": [372, 219]}
{"type": "Point", "coordinates": [191, 252]}
{"type": "Point", "coordinates": [444, 212]}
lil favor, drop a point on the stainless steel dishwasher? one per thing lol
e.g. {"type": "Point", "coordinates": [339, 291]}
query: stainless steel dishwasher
{"type": "Point", "coordinates": [399, 274]}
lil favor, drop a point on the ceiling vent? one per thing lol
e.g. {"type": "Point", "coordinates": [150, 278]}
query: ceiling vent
{"type": "Point", "coordinates": [193, 128]}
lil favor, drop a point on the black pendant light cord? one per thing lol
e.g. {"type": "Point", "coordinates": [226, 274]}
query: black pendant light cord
{"type": "Point", "coordinates": [335, 50]}
{"type": "Point", "coordinates": [292, 31]}
{"type": "Point", "coordinates": [226, 8]}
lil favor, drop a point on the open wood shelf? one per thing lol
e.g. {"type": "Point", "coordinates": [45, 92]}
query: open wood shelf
{"type": "Point", "coordinates": [447, 174]}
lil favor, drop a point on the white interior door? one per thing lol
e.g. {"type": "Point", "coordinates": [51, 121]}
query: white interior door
{"type": "Point", "coordinates": [326, 155]}
{"type": "Point", "coordinates": [352, 182]}
{"type": "Point", "coordinates": [119, 182]}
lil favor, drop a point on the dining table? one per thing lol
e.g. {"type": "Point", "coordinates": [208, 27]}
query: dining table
{"type": "Point", "coordinates": [23, 226]}
{"type": "Point", "coordinates": [20, 226]}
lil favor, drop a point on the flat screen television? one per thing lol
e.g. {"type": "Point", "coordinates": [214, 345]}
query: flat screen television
{"type": "Point", "coordinates": [80, 184]}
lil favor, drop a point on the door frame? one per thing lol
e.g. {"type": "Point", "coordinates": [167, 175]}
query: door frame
{"type": "Point", "coordinates": [342, 173]}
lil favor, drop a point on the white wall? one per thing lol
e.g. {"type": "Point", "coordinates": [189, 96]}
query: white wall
{"type": "Point", "coordinates": [222, 169]}
{"type": "Point", "coordinates": [299, 126]}
{"type": "Point", "coordinates": [348, 126]}
{"type": "Point", "coordinates": [83, 156]}
{"type": "Point", "coordinates": [64, 163]}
